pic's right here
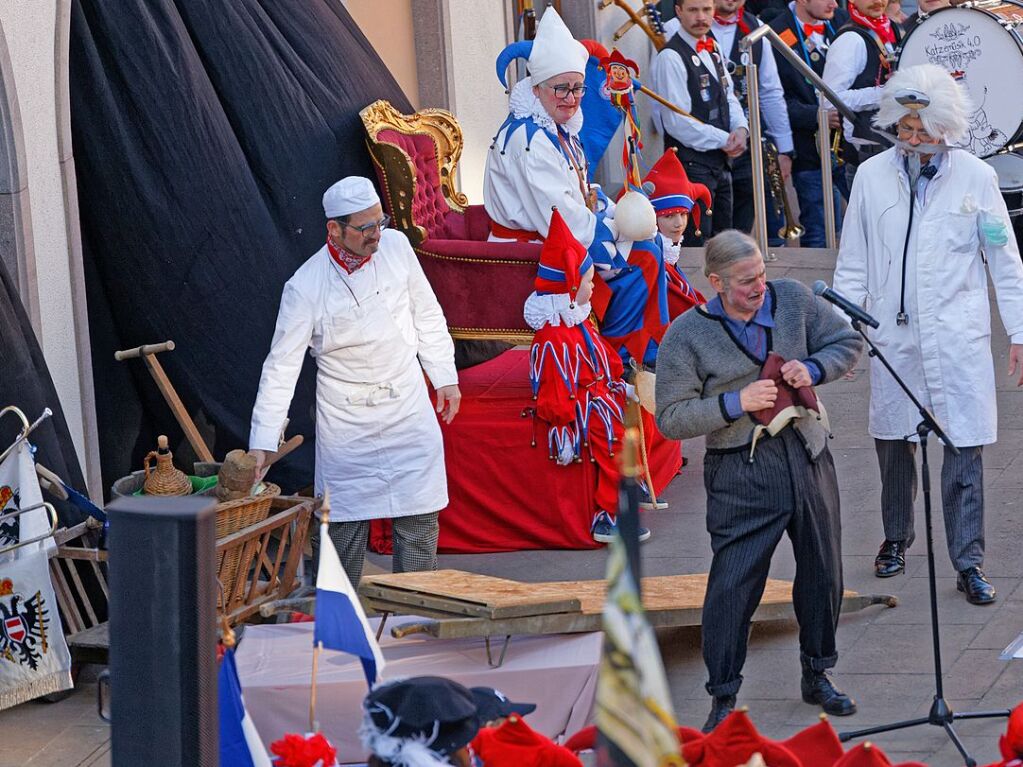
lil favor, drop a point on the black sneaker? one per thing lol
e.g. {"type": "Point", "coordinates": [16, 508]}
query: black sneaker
{"type": "Point", "coordinates": [604, 528]}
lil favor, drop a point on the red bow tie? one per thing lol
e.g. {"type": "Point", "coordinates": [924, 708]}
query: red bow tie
{"type": "Point", "coordinates": [705, 45]}
{"type": "Point", "coordinates": [809, 29]}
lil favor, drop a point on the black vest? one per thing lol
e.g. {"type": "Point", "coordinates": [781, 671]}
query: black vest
{"type": "Point", "coordinates": [735, 66]}
{"type": "Point", "coordinates": [800, 96]}
{"type": "Point", "coordinates": [708, 102]}
{"type": "Point", "coordinates": [875, 73]}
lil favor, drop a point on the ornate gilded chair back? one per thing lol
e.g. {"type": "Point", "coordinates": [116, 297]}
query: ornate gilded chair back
{"type": "Point", "coordinates": [416, 157]}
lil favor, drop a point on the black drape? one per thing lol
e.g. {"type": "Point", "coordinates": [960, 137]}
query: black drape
{"type": "Point", "coordinates": [205, 133]}
{"type": "Point", "coordinates": [25, 383]}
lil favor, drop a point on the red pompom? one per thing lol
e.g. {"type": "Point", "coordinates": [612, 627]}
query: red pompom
{"type": "Point", "coordinates": [294, 750]}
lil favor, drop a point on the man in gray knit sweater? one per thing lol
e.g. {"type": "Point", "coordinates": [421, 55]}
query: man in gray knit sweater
{"type": "Point", "coordinates": [708, 368]}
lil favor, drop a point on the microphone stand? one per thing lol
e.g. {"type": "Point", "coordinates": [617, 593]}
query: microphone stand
{"type": "Point", "coordinates": [940, 714]}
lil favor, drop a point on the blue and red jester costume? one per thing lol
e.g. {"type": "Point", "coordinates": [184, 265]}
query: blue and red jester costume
{"type": "Point", "coordinates": [576, 376]}
{"type": "Point", "coordinates": [674, 198]}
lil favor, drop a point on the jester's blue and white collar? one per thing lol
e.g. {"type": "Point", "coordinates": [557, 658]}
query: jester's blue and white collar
{"type": "Point", "coordinates": [527, 113]}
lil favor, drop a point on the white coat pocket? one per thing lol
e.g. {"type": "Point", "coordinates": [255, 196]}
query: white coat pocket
{"type": "Point", "coordinates": [961, 233]}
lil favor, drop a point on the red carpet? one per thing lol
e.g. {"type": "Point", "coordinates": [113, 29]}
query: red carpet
{"type": "Point", "coordinates": [505, 495]}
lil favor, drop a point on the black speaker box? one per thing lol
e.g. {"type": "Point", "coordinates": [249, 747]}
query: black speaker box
{"type": "Point", "coordinates": [163, 672]}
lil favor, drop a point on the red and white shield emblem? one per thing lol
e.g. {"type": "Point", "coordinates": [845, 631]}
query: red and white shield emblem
{"type": "Point", "coordinates": [15, 629]}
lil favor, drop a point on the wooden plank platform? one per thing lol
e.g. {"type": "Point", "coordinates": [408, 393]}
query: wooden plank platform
{"type": "Point", "coordinates": [456, 592]}
{"type": "Point", "coordinates": [443, 597]}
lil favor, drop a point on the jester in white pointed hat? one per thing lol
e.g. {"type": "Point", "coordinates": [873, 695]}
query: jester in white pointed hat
{"type": "Point", "coordinates": [536, 161]}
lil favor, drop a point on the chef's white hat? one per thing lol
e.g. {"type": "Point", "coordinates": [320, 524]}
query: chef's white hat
{"type": "Point", "coordinates": [352, 194]}
{"type": "Point", "coordinates": [554, 49]}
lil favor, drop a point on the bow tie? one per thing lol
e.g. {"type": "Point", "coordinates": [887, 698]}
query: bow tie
{"type": "Point", "coordinates": [705, 45]}
{"type": "Point", "coordinates": [809, 29]}
{"type": "Point", "coordinates": [928, 171]}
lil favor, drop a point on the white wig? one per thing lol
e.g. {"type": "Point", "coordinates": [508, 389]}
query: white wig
{"type": "Point", "coordinates": [944, 117]}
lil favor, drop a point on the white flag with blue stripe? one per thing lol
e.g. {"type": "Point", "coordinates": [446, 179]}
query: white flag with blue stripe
{"type": "Point", "coordinates": [240, 745]}
{"type": "Point", "coordinates": [340, 622]}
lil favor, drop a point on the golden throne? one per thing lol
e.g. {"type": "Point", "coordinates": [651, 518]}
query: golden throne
{"type": "Point", "coordinates": [480, 285]}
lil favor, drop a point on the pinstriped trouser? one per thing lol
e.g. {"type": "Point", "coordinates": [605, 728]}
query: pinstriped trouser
{"type": "Point", "coordinates": [414, 538]}
{"type": "Point", "coordinates": [749, 507]}
{"type": "Point", "coordinates": [962, 497]}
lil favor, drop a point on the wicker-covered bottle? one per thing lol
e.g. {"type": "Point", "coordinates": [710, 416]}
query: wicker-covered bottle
{"type": "Point", "coordinates": [164, 479]}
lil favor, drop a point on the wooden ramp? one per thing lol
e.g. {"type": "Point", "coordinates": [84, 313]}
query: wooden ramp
{"type": "Point", "coordinates": [460, 604]}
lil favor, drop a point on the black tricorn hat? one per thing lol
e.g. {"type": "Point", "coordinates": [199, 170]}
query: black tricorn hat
{"type": "Point", "coordinates": [434, 712]}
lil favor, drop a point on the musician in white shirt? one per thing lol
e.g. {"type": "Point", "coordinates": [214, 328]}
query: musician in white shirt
{"type": "Point", "coordinates": [690, 72]}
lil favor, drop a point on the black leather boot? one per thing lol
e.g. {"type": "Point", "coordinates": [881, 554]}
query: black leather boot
{"type": "Point", "coordinates": [720, 708]}
{"type": "Point", "coordinates": [817, 688]}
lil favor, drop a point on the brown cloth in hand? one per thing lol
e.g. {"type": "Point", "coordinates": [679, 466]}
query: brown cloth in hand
{"type": "Point", "coordinates": [791, 403]}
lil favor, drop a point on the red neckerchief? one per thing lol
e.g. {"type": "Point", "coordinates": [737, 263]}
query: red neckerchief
{"type": "Point", "coordinates": [738, 20]}
{"type": "Point", "coordinates": [882, 26]}
{"type": "Point", "coordinates": [706, 44]}
{"type": "Point", "coordinates": [347, 261]}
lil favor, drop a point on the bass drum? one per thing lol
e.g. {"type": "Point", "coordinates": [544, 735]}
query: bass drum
{"type": "Point", "coordinates": [1009, 168]}
{"type": "Point", "coordinates": [982, 48]}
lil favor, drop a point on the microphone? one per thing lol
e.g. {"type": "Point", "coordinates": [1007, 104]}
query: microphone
{"type": "Point", "coordinates": [821, 289]}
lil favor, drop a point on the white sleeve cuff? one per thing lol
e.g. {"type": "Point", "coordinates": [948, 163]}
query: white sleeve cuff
{"type": "Point", "coordinates": [264, 438]}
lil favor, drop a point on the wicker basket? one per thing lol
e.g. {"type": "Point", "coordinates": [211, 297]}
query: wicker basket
{"type": "Point", "coordinates": [231, 517]}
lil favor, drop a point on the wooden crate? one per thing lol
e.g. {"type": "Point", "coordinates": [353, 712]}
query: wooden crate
{"type": "Point", "coordinates": [259, 563]}
{"type": "Point", "coordinates": [256, 564]}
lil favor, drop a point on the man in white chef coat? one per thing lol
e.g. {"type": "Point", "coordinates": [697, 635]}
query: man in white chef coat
{"type": "Point", "coordinates": [364, 309]}
{"type": "Point", "coordinates": [925, 226]}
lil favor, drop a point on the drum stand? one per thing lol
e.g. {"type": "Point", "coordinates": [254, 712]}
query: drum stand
{"type": "Point", "coordinates": [940, 714]}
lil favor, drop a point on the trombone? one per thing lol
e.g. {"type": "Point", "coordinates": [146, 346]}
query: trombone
{"type": "Point", "coordinates": [51, 513]}
{"type": "Point", "coordinates": [26, 427]}
{"type": "Point", "coordinates": [823, 91]}
{"type": "Point", "coordinates": [652, 25]}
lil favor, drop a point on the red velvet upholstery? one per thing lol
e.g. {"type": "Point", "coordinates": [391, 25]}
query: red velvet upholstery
{"type": "Point", "coordinates": [504, 494]}
{"type": "Point", "coordinates": [429, 208]}
{"type": "Point", "coordinates": [481, 285]}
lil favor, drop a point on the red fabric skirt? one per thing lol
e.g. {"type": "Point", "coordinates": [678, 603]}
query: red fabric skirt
{"type": "Point", "coordinates": [504, 494]}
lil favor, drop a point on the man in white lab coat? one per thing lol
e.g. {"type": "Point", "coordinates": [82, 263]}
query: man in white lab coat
{"type": "Point", "coordinates": [364, 309]}
{"type": "Point", "coordinates": [924, 227]}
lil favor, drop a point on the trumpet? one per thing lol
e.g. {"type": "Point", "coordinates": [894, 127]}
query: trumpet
{"type": "Point", "coordinates": [782, 206]}
{"type": "Point", "coordinates": [836, 146]}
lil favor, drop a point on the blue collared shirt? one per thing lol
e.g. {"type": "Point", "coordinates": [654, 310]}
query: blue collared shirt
{"type": "Point", "coordinates": [752, 336]}
{"type": "Point", "coordinates": [924, 180]}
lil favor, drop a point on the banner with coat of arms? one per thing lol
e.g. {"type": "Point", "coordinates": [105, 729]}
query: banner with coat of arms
{"type": "Point", "coordinates": [34, 658]}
